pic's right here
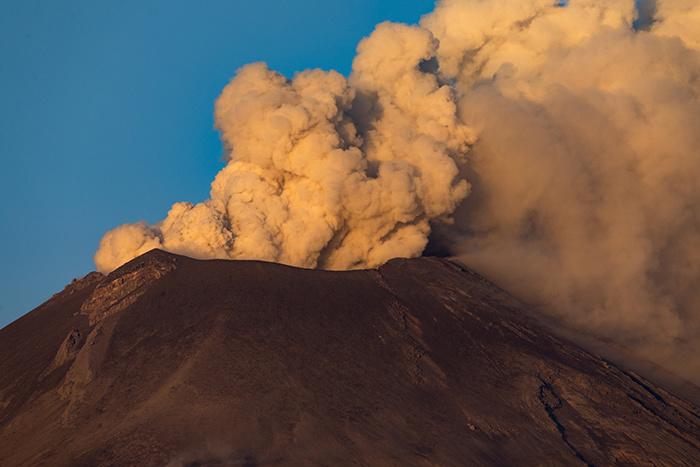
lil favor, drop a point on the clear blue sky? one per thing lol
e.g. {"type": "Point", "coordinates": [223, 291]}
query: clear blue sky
{"type": "Point", "coordinates": [106, 112]}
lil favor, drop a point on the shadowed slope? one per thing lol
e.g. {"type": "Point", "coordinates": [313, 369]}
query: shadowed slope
{"type": "Point", "coordinates": [170, 360]}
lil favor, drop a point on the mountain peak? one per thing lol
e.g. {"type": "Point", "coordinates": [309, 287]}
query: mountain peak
{"type": "Point", "coordinates": [174, 361]}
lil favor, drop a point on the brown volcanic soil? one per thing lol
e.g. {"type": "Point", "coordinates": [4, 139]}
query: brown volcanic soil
{"type": "Point", "coordinates": [173, 361]}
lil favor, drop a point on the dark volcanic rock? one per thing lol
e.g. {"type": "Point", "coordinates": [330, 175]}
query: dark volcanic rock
{"type": "Point", "coordinates": [173, 361]}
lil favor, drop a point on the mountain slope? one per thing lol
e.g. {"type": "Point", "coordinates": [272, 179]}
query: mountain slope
{"type": "Point", "coordinates": [174, 361]}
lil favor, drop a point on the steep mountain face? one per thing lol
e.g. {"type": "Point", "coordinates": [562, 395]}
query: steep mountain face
{"type": "Point", "coordinates": [174, 361]}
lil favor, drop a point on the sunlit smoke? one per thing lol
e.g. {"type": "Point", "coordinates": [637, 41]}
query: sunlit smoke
{"type": "Point", "coordinates": [553, 146]}
{"type": "Point", "coordinates": [322, 171]}
{"type": "Point", "coordinates": [586, 172]}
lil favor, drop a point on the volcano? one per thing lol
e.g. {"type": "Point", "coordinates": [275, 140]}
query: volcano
{"type": "Point", "coordinates": [181, 362]}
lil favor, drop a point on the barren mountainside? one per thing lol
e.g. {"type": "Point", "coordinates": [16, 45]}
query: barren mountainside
{"type": "Point", "coordinates": [181, 362]}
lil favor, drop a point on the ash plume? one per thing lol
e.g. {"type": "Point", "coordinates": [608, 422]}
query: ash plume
{"type": "Point", "coordinates": [323, 171]}
{"type": "Point", "coordinates": [553, 146]}
{"type": "Point", "coordinates": [586, 193]}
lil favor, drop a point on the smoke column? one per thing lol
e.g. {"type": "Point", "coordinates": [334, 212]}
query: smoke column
{"type": "Point", "coordinates": [553, 146]}
{"type": "Point", "coordinates": [323, 171]}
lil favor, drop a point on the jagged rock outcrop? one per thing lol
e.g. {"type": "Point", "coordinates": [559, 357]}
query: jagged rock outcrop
{"type": "Point", "coordinates": [174, 361]}
{"type": "Point", "coordinates": [123, 287]}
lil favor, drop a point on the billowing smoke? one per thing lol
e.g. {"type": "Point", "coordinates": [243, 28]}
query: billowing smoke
{"type": "Point", "coordinates": [586, 172]}
{"type": "Point", "coordinates": [323, 171]}
{"type": "Point", "coordinates": [553, 146]}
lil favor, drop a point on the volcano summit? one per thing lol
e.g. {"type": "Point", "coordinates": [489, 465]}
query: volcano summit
{"type": "Point", "coordinates": [174, 361]}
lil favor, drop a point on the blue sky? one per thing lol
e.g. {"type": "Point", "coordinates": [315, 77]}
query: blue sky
{"type": "Point", "coordinates": [106, 112]}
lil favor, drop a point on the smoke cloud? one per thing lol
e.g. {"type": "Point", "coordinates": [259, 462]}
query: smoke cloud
{"type": "Point", "coordinates": [323, 171]}
{"type": "Point", "coordinates": [586, 172]}
{"type": "Point", "coordinates": [552, 146]}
